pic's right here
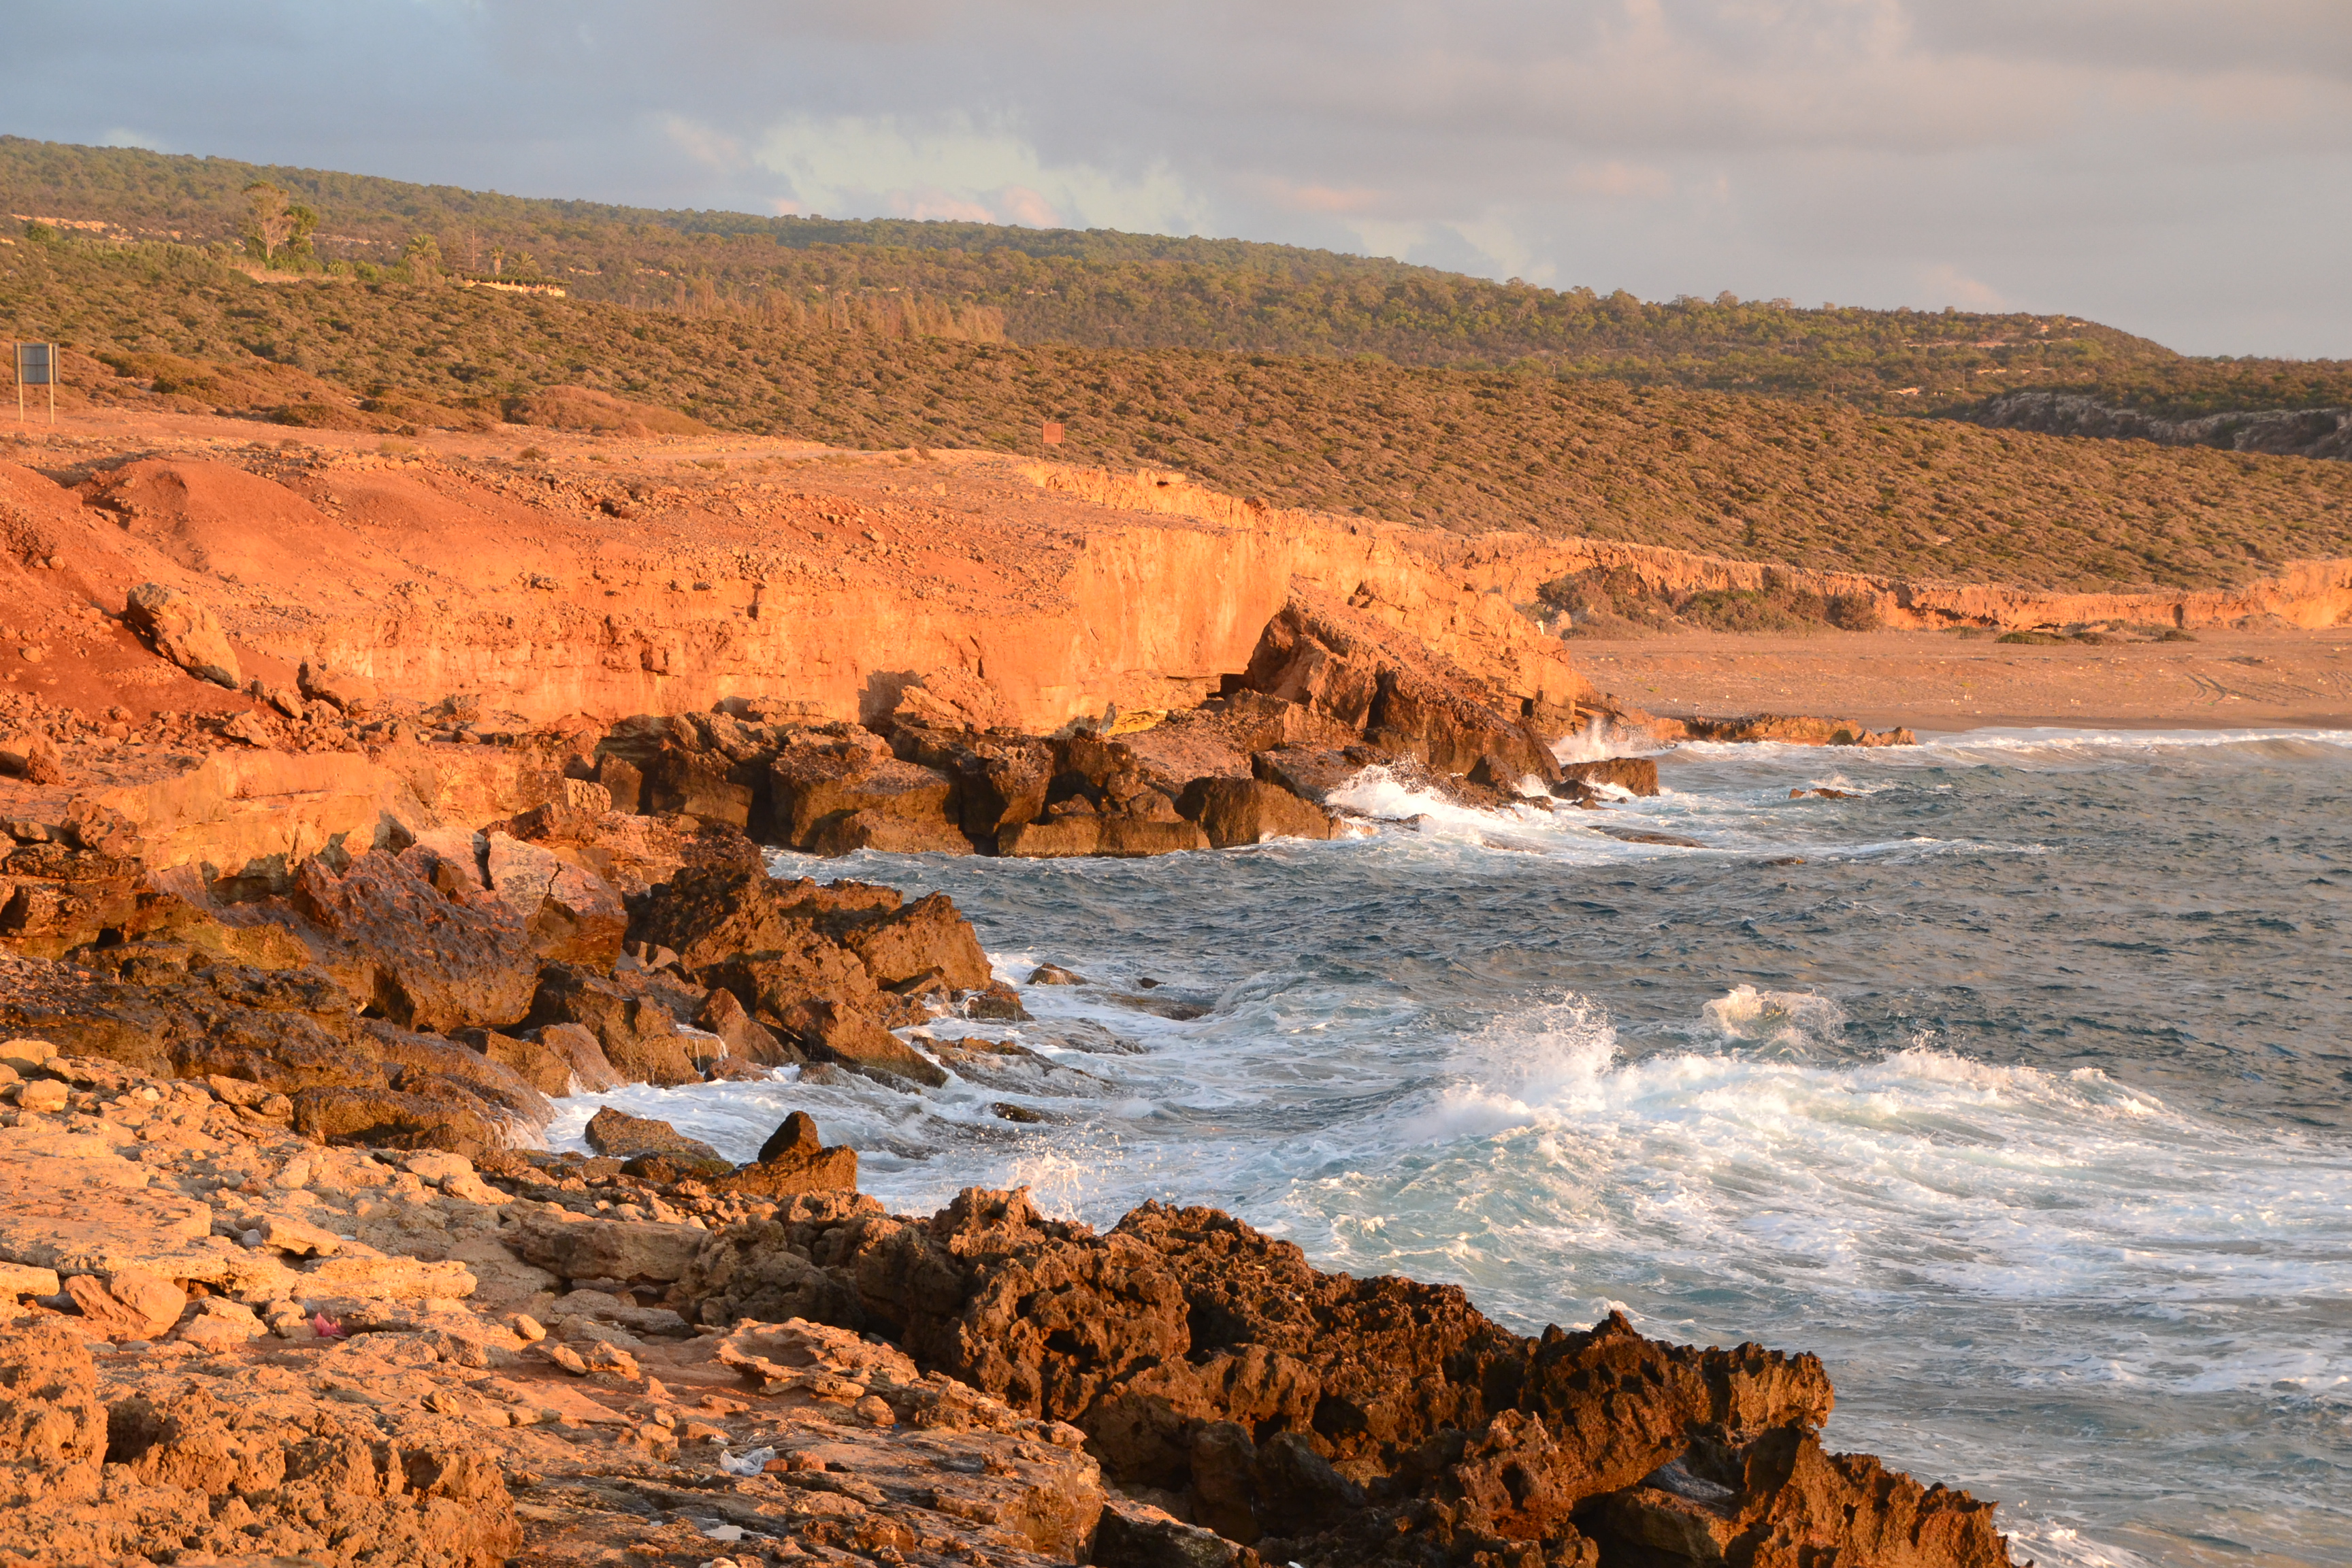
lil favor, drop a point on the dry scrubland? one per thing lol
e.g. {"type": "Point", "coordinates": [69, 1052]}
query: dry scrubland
{"type": "Point", "coordinates": [1101, 288]}
{"type": "Point", "coordinates": [1815, 484]}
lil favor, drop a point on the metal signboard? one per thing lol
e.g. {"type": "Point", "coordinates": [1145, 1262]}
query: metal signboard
{"type": "Point", "coordinates": [36, 365]}
{"type": "Point", "coordinates": [1052, 434]}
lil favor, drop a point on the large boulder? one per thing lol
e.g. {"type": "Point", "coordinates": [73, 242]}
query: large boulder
{"type": "Point", "coordinates": [1383, 1419]}
{"type": "Point", "coordinates": [814, 790]}
{"type": "Point", "coordinates": [556, 1060]}
{"type": "Point", "coordinates": [954, 699]}
{"type": "Point", "coordinates": [1313, 774]}
{"type": "Point", "coordinates": [1403, 698]}
{"type": "Point", "coordinates": [777, 945]}
{"type": "Point", "coordinates": [347, 692]}
{"type": "Point", "coordinates": [1301, 657]}
{"type": "Point", "coordinates": [885, 833]}
{"type": "Point", "coordinates": [927, 937]}
{"type": "Point", "coordinates": [712, 788]}
{"type": "Point", "coordinates": [772, 983]}
{"type": "Point", "coordinates": [709, 914]}
{"type": "Point", "coordinates": [621, 1136]}
{"type": "Point", "coordinates": [64, 897]}
{"type": "Point", "coordinates": [425, 956]}
{"type": "Point", "coordinates": [1250, 811]}
{"type": "Point", "coordinates": [1000, 781]}
{"type": "Point", "coordinates": [414, 1058]}
{"type": "Point", "coordinates": [853, 1037]}
{"type": "Point", "coordinates": [1636, 775]}
{"type": "Point", "coordinates": [629, 1251]}
{"type": "Point", "coordinates": [1132, 838]}
{"type": "Point", "coordinates": [793, 1160]}
{"type": "Point", "coordinates": [1453, 729]}
{"type": "Point", "coordinates": [572, 915]}
{"type": "Point", "coordinates": [1785, 1499]}
{"type": "Point", "coordinates": [280, 1050]}
{"type": "Point", "coordinates": [134, 1305]}
{"type": "Point", "coordinates": [723, 1013]}
{"type": "Point", "coordinates": [708, 767]}
{"type": "Point", "coordinates": [1064, 835]}
{"type": "Point", "coordinates": [179, 625]}
{"type": "Point", "coordinates": [393, 1118]}
{"type": "Point", "coordinates": [631, 853]}
{"type": "Point", "coordinates": [638, 1035]}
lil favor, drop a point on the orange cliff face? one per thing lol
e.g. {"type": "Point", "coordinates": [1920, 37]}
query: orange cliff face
{"type": "Point", "coordinates": [1509, 569]}
{"type": "Point", "coordinates": [550, 591]}
{"type": "Point", "coordinates": [646, 577]}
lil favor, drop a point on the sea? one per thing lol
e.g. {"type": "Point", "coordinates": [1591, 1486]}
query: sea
{"type": "Point", "coordinates": [2010, 1073]}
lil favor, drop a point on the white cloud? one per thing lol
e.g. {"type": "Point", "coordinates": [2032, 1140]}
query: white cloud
{"type": "Point", "coordinates": [123, 136]}
{"type": "Point", "coordinates": [1945, 284]}
{"type": "Point", "coordinates": [712, 148]}
{"type": "Point", "coordinates": [955, 168]}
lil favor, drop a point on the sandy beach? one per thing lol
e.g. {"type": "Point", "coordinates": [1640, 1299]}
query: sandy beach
{"type": "Point", "coordinates": [1942, 681]}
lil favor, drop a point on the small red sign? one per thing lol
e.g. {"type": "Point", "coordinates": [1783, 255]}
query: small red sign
{"type": "Point", "coordinates": [1052, 434]}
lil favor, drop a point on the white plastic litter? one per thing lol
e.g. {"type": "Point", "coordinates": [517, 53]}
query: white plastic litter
{"type": "Point", "coordinates": [749, 1463]}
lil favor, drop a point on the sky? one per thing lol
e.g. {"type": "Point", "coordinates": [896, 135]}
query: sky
{"type": "Point", "coordinates": [2181, 169]}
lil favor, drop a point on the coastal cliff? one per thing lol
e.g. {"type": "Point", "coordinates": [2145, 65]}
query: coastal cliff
{"type": "Point", "coordinates": [541, 595]}
{"type": "Point", "coordinates": [403, 800]}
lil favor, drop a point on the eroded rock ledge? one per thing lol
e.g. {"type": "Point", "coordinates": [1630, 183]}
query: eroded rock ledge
{"type": "Point", "coordinates": [235, 1346]}
{"type": "Point", "coordinates": [440, 996]}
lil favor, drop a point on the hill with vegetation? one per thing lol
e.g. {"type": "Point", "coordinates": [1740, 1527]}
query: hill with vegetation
{"type": "Point", "coordinates": [1102, 290]}
{"type": "Point", "coordinates": [1819, 483]}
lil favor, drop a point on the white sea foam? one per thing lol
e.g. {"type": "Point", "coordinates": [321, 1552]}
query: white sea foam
{"type": "Point", "coordinates": [1917, 1170]}
{"type": "Point", "coordinates": [1601, 739]}
{"type": "Point", "coordinates": [1886, 1200]}
{"type": "Point", "coordinates": [1378, 793]}
{"type": "Point", "coordinates": [1774, 1017]}
{"type": "Point", "coordinates": [2067, 747]}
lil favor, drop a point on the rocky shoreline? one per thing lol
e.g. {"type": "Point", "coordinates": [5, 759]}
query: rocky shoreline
{"type": "Point", "coordinates": [230, 1345]}
{"type": "Point", "coordinates": [289, 1281]}
{"type": "Point", "coordinates": [416, 942]}
{"type": "Point", "coordinates": [288, 990]}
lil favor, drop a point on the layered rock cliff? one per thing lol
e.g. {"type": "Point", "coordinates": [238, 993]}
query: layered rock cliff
{"type": "Point", "coordinates": [549, 596]}
{"type": "Point", "coordinates": [827, 588]}
{"type": "Point", "coordinates": [1512, 568]}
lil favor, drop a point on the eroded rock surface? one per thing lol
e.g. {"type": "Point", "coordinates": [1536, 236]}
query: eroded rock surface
{"type": "Point", "coordinates": [346, 1357]}
{"type": "Point", "coordinates": [1324, 1419]}
{"type": "Point", "coordinates": [365, 1356]}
